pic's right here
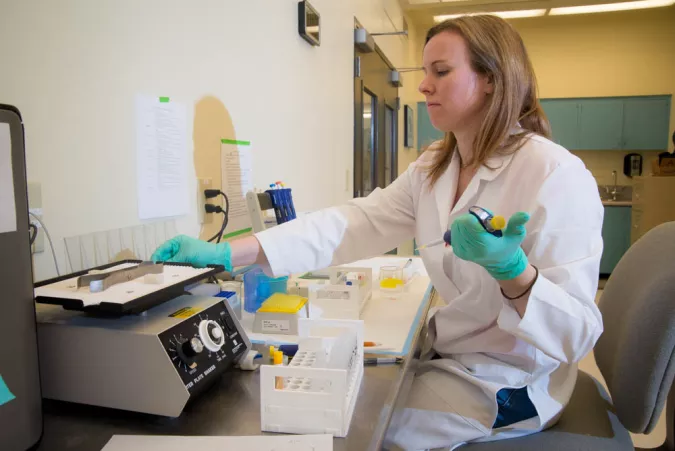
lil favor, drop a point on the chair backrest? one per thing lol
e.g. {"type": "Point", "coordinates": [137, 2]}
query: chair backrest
{"type": "Point", "coordinates": [635, 352]}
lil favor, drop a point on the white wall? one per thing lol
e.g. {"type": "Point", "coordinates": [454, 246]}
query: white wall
{"type": "Point", "coordinates": [73, 68]}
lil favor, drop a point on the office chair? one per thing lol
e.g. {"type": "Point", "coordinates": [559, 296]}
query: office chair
{"type": "Point", "coordinates": [634, 354]}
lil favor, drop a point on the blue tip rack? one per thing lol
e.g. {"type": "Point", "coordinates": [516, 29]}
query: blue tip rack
{"type": "Point", "coordinates": [282, 201]}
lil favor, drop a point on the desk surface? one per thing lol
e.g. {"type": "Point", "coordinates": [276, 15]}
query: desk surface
{"type": "Point", "coordinates": [230, 407]}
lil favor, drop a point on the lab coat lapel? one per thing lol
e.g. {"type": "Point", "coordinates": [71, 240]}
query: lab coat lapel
{"type": "Point", "coordinates": [446, 186]}
{"type": "Point", "coordinates": [445, 189]}
{"type": "Point", "coordinates": [484, 174]}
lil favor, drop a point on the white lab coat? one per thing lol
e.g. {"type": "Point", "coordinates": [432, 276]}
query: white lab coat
{"type": "Point", "coordinates": [484, 344]}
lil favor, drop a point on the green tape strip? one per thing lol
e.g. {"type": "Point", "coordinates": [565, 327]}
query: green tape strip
{"type": "Point", "coordinates": [163, 100]}
{"type": "Point", "coordinates": [234, 141]}
{"type": "Point", "coordinates": [237, 233]}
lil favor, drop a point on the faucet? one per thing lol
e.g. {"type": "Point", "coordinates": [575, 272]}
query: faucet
{"type": "Point", "coordinates": [615, 189]}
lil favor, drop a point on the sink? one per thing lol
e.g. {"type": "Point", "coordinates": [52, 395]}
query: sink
{"type": "Point", "coordinates": [623, 193]}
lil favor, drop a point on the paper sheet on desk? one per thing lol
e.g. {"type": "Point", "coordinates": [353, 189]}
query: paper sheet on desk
{"type": "Point", "coordinates": [248, 443]}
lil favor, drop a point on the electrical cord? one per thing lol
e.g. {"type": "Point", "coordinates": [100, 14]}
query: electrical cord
{"type": "Point", "coordinates": [226, 219]}
{"type": "Point", "coordinates": [210, 208]}
{"type": "Point", "coordinates": [49, 238]}
{"type": "Point", "coordinates": [218, 235]}
{"type": "Point", "coordinates": [32, 233]}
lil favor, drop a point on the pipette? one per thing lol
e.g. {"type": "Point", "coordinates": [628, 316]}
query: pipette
{"type": "Point", "coordinates": [445, 239]}
{"type": "Point", "coordinates": [492, 224]}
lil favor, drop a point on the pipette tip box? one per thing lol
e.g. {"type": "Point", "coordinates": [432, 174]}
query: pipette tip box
{"type": "Point", "coordinates": [279, 314]}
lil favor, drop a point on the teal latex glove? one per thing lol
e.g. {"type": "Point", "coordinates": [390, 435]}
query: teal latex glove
{"type": "Point", "coordinates": [198, 253]}
{"type": "Point", "coordinates": [502, 257]}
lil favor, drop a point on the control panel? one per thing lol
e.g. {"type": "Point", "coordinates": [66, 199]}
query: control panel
{"type": "Point", "coordinates": [202, 345]}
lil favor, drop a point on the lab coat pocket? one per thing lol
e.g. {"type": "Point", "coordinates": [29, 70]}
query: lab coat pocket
{"type": "Point", "coordinates": [505, 370]}
{"type": "Point", "coordinates": [448, 388]}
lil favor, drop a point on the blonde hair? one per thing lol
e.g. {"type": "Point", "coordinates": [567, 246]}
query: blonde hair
{"type": "Point", "coordinates": [497, 51]}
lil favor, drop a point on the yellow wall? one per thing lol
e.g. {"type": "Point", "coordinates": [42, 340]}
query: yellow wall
{"type": "Point", "coordinates": [596, 55]}
{"type": "Point", "coordinates": [612, 54]}
{"type": "Point", "coordinates": [74, 67]}
{"type": "Point", "coordinates": [609, 54]}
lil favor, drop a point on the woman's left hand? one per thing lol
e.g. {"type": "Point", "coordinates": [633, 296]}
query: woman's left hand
{"type": "Point", "coordinates": [502, 257]}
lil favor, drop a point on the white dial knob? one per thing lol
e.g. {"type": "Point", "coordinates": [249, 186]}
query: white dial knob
{"type": "Point", "coordinates": [212, 335]}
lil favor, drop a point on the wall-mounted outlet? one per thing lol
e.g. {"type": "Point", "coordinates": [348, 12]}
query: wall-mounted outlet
{"type": "Point", "coordinates": [204, 218]}
{"type": "Point", "coordinates": [35, 207]}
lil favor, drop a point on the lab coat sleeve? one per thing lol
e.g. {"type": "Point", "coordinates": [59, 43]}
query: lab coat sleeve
{"type": "Point", "coordinates": [565, 244]}
{"type": "Point", "coordinates": [362, 228]}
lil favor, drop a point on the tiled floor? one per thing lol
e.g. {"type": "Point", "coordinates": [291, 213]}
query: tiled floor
{"type": "Point", "coordinates": [653, 440]}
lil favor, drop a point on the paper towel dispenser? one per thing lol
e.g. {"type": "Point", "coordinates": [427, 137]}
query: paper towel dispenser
{"type": "Point", "coordinates": [632, 165]}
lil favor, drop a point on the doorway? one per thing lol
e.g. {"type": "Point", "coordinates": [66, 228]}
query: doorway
{"type": "Point", "coordinates": [376, 106]}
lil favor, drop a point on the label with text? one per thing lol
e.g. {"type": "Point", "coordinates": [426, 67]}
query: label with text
{"type": "Point", "coordinates": [272, 326]}
{"type": "Point", "coordinates": [185, 312]}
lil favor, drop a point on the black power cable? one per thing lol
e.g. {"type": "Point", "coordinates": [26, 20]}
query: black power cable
{"type": "Point", "coordinates": [32, 234]}
{"type": "Point", "coordinates": [210, 208]}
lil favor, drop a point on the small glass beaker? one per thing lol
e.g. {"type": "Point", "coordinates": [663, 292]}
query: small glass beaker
{"type": "Point", "coordinates": [391, 278]}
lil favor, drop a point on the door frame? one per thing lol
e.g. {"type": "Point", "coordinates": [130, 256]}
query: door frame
{"type": "Point", "coordinates": [382, 104]}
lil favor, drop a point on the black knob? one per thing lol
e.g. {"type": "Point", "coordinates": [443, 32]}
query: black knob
{"type": "Point", "coordinates": [192, 347]}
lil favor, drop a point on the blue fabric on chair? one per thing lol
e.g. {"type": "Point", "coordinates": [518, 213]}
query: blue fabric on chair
{"type": "Point", "coordinates": [513, 405]}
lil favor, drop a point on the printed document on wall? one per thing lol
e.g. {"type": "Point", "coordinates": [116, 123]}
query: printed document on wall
{"type": "Point", "coordinates": [161, 157]}
{"type": "Point", "coordinates": [7, 206]}
{"type": "Point", "coordinates": [237, 168]}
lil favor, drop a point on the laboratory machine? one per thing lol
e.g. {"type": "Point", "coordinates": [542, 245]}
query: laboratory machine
{"type": "Point", "coordinates": [129, 335]}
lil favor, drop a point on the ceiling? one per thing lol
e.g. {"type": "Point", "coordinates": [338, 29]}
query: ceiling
{"type": "Point", "coordinates": [423, 11]}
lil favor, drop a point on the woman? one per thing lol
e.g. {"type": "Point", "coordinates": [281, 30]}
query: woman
{"type": "Point", "coordinates": [520, 309]}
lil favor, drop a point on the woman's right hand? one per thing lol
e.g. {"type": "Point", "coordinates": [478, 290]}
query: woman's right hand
{"type": "Point", "coordinates": [198, 253]}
